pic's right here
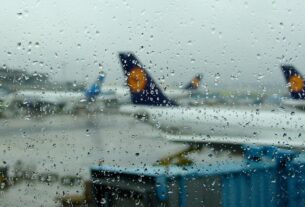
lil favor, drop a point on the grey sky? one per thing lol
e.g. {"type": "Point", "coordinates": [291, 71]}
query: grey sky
{"type": "Point", "coordinates": [242, 41]}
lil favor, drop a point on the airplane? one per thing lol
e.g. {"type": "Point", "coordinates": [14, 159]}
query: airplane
{"type": "Point", "coordinates": [207, 124]}
{"type": "Point", "coordinates": [296, 86]}
{"type": "Point", "coordinates": [67, 101]}
{"type": "Point", "coordinates": [191, 88]}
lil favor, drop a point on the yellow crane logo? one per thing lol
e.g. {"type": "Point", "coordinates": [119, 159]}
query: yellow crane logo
{"type": "Point", "coordinates": [296, 83]}
{"type": "Point", "coordinates": [137, 80]}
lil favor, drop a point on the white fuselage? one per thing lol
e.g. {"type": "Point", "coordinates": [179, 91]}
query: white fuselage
{"type": "Point", "coordinates": [206, 124]}
{"type": "Point", "coordinates": [298, 103]}
{"type": "Point", "coordinates": [56, 97]}
{"type": "Point", "coordinates": [120, 94]}
{"type": "Point", "coordinates": [68, 98]}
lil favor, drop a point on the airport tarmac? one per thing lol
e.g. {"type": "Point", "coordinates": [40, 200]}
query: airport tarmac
{"type": "Point", "coordinates": [67, 145]}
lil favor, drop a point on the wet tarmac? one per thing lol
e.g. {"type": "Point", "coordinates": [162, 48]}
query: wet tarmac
{"type": "Point", "coordinates": [67, 145]}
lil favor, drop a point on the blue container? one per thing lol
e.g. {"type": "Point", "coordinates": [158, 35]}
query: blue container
{"type": "Point", "coordinates": [296, 182]}
{"type": "Point", "coordinates": [267, 176]}
{"type": "Point", "coordinates": [253, 186]}
{"type": "Point", "coordinates": [229, 184]}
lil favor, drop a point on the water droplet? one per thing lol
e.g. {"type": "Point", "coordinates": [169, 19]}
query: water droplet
{"type": "Point", "coordinates": [103, 201]}
{"type": "Point", "coordinates": [213, 30]}
{"type": "Point", "coordinates": [216, 79]}
{"type": "Point", "coordinates": [19, 45]}
{"type": "Point", "coordinates": [259, 76]}
{"type": "Point", "coordinates": [172, 73]}
{"type": "Point", "coordinates": [19, 14]}
{"type": "Point", "coordinates": [87, 132]}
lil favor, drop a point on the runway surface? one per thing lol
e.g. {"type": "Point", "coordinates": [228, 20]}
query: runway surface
{"type": "Point", "coordinates": [67, 145]}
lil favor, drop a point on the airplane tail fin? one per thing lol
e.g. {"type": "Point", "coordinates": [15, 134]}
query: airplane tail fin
{"type": "Point", "coordinates": [95, 89]}
{"type": "Point", "coordinates": [143, 88]}
{"type": "Point", "coordinates": [295, 81]}
{"type": "Point", "coordinates": [195, 83]}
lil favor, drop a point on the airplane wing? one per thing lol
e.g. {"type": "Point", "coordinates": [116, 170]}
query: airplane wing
{"type": "Point", "coordinates": [298, 103]}
{"type": "Point", "coordinates": [296, 143]}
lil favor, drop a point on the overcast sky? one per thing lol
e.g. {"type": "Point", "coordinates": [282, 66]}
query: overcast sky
{"type": "Point", "coordinates": [233, 43]}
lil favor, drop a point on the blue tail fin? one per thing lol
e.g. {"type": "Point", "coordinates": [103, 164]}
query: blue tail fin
{"type": "Point", "coordinates": [95, 89]}
{"type": "Point", "coordinates": [195, 83]}
{"type": "Point", "coordinates": [142, 87]}
{"type": "Point", "coordinates": [295, 82]}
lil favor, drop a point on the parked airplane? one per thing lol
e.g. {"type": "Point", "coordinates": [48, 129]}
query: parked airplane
{"type": "Point", "coordinates": [190, 88]}
{"type": "Point", "coordinates": [296, 85]}
{"type": "Point", "coordinates": [206, 124]}
{"type": "Point", "coordinates": [65, 100]}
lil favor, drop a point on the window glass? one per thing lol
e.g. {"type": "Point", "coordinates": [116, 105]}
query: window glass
{"type": "Point", "coordinates": [151, 103]}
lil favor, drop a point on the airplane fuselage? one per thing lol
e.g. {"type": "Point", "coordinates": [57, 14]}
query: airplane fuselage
{"type": "Point", "coordinates": [204, 124]}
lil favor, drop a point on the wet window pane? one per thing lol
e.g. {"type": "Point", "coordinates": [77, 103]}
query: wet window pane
{"type": "Point", "coordinates": [160, 103]}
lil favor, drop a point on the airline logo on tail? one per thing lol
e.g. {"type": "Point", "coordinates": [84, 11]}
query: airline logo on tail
{"type": "Point", "coordinates": [195, 83]}
{"type": "Point", "coordinates": [295, 81]}
{"type": "Point", "coordinates": [143, 88]}
{"type": "Point", "coordinates": [137, 80]}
